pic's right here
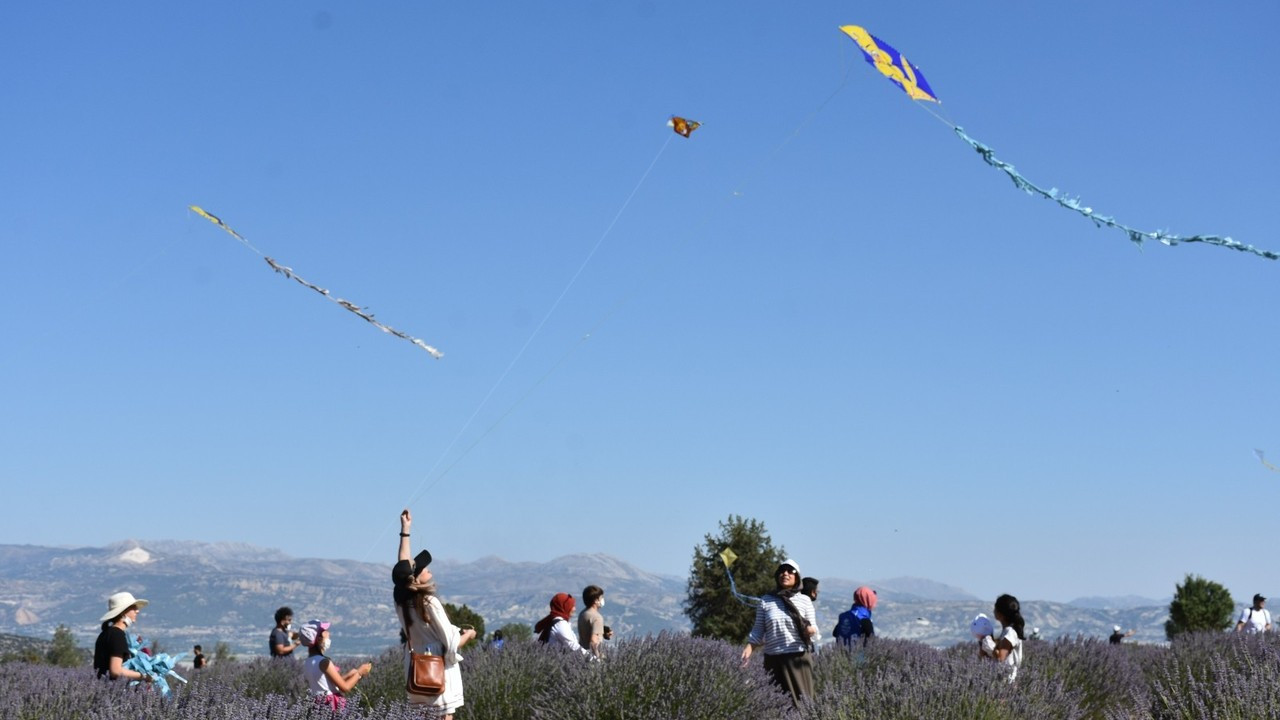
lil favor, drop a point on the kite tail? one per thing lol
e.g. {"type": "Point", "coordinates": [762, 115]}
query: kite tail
{"type": "Point", "coordinates": [748, 600]}
{"type": "Point", "coordinates": [1136, 236]}
{"type": "Point", "coordinates": [288, 272]}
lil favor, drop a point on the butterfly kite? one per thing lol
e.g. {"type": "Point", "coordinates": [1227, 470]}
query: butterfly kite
{"type": "Point", "coordinates": [288, 273]}
{"type": "Point", "coordinates": [893, 65]}
{"type": "Point", "coordinates": [683, 126]}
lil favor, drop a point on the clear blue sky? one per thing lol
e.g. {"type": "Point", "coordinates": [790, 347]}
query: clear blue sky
{"type": "Point", "coordinates": [824, 312]}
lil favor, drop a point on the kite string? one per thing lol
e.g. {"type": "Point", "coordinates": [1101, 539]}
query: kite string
{"type": "Point", "coordinates": [925, 106]}
{"type": "Point", "coordinates": [422, 486]}
{"type": "Point", "coordinates": [751, 173]}
{"type": "Point", "coordinates": [754, 170]}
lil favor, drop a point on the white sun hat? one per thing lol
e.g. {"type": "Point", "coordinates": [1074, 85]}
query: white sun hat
{"type": "Point", "coordinates": [120, 602]}
{"type": "Point", "coordinates": [982, 626]}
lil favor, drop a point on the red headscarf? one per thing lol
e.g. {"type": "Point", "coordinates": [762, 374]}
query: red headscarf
{"type": "Point", "coordinates": [866, 597]}
{"type": "Point", "coordinates": [561, 609]}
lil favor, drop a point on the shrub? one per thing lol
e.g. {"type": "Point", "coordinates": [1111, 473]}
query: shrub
{"type": "Point", "coordinates": [904, 679]}
{"type": "Point", "coordinates": [667, 677]}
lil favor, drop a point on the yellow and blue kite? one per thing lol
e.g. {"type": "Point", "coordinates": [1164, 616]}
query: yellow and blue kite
{"type": "Point", "coordinates": [893, 65]}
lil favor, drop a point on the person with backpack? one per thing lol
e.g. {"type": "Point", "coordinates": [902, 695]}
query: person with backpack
{"type": "Point", "coordinates": [1256, 619]}
{"type": "Point", "coordinates": [856, 621]}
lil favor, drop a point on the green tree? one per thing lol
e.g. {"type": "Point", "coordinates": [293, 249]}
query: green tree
{"type": "Point", "coordinates": [64, 652]}
{"type": "Point", "coordinates": [464, 616]}
{"type": "Point", "coordinates": [222, 653]}
{"type": "Point", "coordinates": [709, 602]}
{"type": "Point", "coordinates": [516, 632]}
{"type": "Point", "coordinates": [1199, 604]}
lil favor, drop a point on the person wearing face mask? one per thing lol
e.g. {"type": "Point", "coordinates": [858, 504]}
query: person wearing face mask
{"type": "Point", "coordinates": [424, 626]}
{"type": "Point", "coordinates": [590, 621]}
{"type": "Point", "coordinates": [326, 682]}
{"type": "Point", "coordinates": [111, 650]}
{"type": "Point", "coordinates": [282, 642]}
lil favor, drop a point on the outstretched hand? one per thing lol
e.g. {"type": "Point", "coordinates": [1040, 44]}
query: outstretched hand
{"type": "Point", "coordinates": [406, 519]}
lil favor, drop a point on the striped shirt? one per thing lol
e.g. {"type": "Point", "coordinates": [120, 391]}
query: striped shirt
{"type": "Point", "coordinates": [775, 630]}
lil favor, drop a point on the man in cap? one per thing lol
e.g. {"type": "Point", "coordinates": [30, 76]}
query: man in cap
{"type": "Point", "coordinates": [1256, 619]}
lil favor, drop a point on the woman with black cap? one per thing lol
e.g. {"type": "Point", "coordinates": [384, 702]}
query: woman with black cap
{"type": "Point", "coordinates": [785, 626]}
{"type": "Point", "coordinates": [424, 626]}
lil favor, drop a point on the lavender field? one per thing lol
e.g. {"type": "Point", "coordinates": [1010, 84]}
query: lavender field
{"type": "Point", "coordinates": [675, 676]}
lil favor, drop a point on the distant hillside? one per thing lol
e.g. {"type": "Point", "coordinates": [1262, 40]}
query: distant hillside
{"type": "Point", "coordinates": [1121, 602]}
{"type": "Point", "coordinates": [21, 646]}
{"type": "Point", "coordinates": [210, 592]}
{"type": "Point", "coordinates": [205, 593]}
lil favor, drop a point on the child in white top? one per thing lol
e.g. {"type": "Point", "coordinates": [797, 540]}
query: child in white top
{"type": "Point", "coordinates": [325, 681]}
{"type": "Point", "coordinates": [1008, 648]}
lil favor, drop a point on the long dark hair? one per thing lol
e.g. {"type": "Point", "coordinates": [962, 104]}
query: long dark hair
{"type": "Point", "coordinates": [412, 598]}
{"type": "Point", "coordinates": [1008, 608]}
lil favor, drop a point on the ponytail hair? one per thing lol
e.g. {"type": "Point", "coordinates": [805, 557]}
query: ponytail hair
{"type": "Point", "coordinates": [1010, 610]}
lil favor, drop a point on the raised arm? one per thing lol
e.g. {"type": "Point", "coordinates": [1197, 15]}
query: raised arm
{"type": "Point", "coordinates": [406, 520]}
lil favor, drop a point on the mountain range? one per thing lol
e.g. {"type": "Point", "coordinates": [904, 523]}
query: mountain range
{"type": "Point", "coordinates": [211, 592]}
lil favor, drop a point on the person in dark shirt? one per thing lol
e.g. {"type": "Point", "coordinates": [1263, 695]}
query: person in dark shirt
{"type": "Point", "coordinates": [112, 647]}
{"type": "Point", "coordinates": [283, 642]}
{"type": "Point", "coordinates": [197, 660]}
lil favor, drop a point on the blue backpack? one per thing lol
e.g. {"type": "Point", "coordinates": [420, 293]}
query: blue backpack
{"type": "Point", "coordinates": [850, 624]}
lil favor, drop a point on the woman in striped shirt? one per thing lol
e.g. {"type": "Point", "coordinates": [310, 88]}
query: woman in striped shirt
{"type": "Point", "coordinates": [785, 626]}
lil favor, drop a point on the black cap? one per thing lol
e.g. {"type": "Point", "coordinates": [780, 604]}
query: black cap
{"type": "Point", "coordinates": [404, 571]}
{"type": "Point", "coordinates": [1259, 598]}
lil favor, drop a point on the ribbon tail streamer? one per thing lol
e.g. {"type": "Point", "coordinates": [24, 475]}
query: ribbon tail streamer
{"type": "Point", "coordinates": [1136, 236]}
{"type": "Point", "coordinates": [290, 274]}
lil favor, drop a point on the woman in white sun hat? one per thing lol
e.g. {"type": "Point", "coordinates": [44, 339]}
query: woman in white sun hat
{"type": "Point", "coordinates": [112, 648]}
{"type": "Point", "coordinates": [786, 626]}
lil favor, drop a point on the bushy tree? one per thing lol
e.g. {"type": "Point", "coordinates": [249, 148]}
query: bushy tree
{"type": "Point", "coordinates": [222, 653]}
{"type": "Point", "coordinates": [64, 652]}
{"type": "Point", "coordinates": [709, 602]}
{"type": "Point", "coordinates": [516, 632]}
{"type": "Point", "coordinates": [463, 616]}
{"type": "Point", "coordinates": [1199, 604]}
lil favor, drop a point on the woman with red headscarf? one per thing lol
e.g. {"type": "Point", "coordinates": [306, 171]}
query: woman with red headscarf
{"type": "Point", "coordinates": [856, 621]}
{"type": "Point", "coordinates": [555, 629]}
